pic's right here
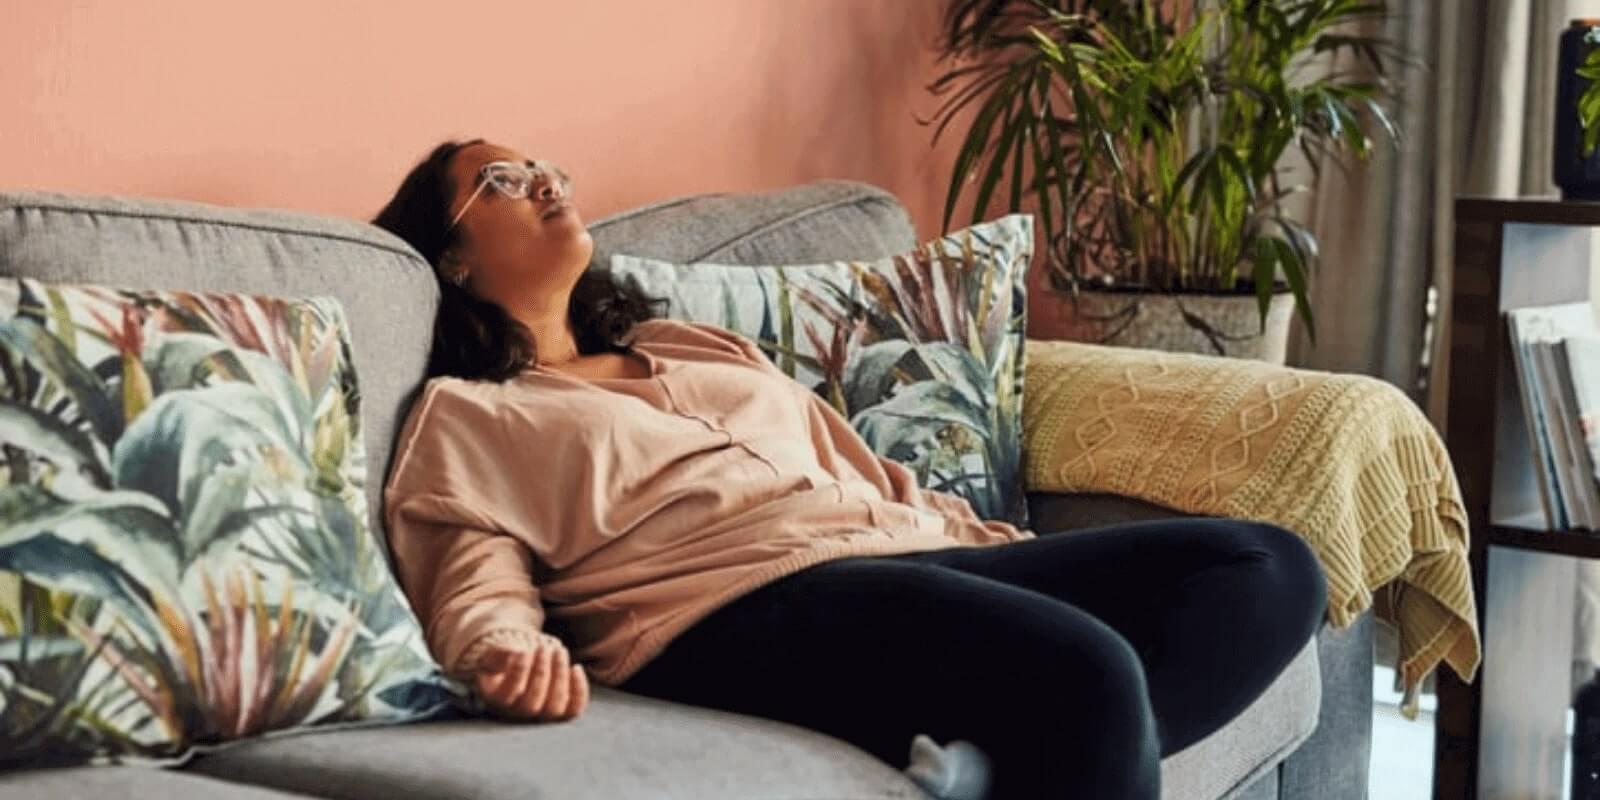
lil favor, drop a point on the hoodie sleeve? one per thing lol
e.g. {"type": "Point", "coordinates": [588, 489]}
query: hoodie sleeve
{"type": "Point", "coordinates": [469, 581]}
{"type": "Point", "coordinates": [470, 587]}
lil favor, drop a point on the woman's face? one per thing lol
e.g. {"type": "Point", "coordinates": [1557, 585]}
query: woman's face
{"type": "Point", "coordinates": [516, 248]}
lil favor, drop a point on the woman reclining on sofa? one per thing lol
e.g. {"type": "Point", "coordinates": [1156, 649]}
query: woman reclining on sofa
{"type": "Point", "coordinates": [696, 526]}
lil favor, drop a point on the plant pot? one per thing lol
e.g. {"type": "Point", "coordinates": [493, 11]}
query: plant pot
{"type": "Point", "coordinates": [1154, 320]}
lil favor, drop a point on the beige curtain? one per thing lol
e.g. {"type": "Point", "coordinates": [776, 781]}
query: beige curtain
{"type": "Point", "coordinates": [1476, 108]}
{"type": "Point", "coordinates": [1377, 222]}
{"type": "Point", "coordinates": [1508, 93]}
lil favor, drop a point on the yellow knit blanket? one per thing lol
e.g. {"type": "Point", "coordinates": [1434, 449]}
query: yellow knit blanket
{"type": "Point", "coordinates": [1348, 462]}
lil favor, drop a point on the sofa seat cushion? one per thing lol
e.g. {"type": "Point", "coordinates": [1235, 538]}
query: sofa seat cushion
{"type": "Point", "coordinates": [623, 746]}
{"type": "Point", "coordinates": [126, 783]}
{"type": "Point", "coordinates": [627, 746]}
{"type": "Point", "coordinates": [1232, 758]}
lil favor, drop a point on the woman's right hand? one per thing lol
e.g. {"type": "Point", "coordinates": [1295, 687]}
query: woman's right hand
{"type": "Point", "coordinates": [532, 684]}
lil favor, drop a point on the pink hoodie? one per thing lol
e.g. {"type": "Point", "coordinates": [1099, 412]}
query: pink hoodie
{"type": "Point", "coordinates": [621, 511]}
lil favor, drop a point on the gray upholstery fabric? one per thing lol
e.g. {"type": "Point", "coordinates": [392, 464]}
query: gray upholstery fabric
{"type": "Point", "coordinates": [1049, 512]}
{"type": "Point", "coordinates": [125, 783]}
{"type": "Point", "coordinates": [825, 221]}
{"type": "Point", "coordinates": [1333, 763]}
{"type": "Point", "coordinates": [1250, 747]}
{"type": "Point", "coordinates": [623, 747]}
{"type": "Point", "coordinates": [388, 293]}
{"type": "Point", "coordinates": [1265, 788]}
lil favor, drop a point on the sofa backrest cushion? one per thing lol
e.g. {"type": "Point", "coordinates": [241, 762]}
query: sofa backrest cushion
{"type": "Point", "coordinates": [808, 224]}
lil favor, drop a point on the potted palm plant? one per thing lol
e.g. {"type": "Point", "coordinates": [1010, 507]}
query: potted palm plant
{"type": "Point", "coordinates": [1149, 138]}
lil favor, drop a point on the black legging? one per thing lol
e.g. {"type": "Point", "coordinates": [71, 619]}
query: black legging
{"type": "Point", "coordinates": [1074, 660]}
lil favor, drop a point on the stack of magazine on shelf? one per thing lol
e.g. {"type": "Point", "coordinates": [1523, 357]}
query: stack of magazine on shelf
{"type": "Point", "coordinates": [1557, 355]}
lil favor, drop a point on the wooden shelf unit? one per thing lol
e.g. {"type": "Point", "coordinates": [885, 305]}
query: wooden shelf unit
{"type": "Point", "coordinates": [1577, 543]}
{"type": "Point", "coordinates": [1504, 735]}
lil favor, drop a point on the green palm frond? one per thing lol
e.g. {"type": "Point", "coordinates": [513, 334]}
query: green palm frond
{"type": "Point", "coordinates": [1589, 99]}
{"type": "Point", "coordinates": [1148, 137]}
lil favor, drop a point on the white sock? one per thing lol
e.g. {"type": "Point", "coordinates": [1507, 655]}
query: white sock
{"type": "Point", "coordinates": [958, 771]}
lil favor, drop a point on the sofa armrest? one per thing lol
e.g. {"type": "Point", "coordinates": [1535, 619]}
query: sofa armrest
{"type": "Point", "coordinates": [1145, 423]}
{"type": "Point", "coordinates": [1346, 461]}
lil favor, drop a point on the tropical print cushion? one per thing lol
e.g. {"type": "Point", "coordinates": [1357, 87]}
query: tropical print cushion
{"type": "Point", "coordinates": [184, 552]}
{"type": "Point", "coordinates": [922, 352]}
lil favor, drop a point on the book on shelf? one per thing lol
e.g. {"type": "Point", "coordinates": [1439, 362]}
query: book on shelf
{"type": "Point", "coordinates": [1582, 355]}
{"type": "Point", "coordinates": [1556, 355]}
{"type": "Point", "coordinates": [1576, 471]}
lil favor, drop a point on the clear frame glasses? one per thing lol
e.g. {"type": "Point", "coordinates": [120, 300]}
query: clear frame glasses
{"type": "Point", "coordinates": [515, 181]}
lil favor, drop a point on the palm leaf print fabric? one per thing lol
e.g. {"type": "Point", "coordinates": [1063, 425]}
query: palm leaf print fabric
{"type": "Point", "coordinates": [184, 552]}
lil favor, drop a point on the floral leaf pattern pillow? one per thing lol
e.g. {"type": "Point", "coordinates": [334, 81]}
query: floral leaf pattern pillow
{"type": "Point", "coordinates": [922, 352]}
{"type": "Point", "coordinates": [184, 552]}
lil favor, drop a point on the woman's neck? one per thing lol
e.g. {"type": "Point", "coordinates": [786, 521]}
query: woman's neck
{"type": "Point", "coordinates": [551, 329]}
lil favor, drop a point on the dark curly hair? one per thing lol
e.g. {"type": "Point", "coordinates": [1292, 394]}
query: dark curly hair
{"type": "Point", "coordinates": [475, 338]}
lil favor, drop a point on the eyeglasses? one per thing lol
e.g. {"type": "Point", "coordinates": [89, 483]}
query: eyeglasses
{"type": "Point", "coordinates": [515, 181]}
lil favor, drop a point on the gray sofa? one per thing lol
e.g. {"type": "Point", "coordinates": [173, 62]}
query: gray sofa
{"type": "Point", "coordinates": [1307, 737]}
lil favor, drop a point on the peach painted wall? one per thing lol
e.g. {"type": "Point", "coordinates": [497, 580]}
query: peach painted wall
{"type": "Point", "coordinates": [321, 105]}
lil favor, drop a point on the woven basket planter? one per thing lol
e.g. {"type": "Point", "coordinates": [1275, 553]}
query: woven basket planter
{"type": "Point", "coordinates": [1157, 321]}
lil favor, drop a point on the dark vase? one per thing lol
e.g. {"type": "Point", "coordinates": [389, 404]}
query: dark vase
{"type": "Point", "coordinates": [1578, 177]}
{"type": "Point", "coordinates": [1586, 741]}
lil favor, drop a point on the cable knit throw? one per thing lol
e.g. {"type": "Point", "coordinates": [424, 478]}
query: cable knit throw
{"type": "Point", "coordinates": [1348, 462]}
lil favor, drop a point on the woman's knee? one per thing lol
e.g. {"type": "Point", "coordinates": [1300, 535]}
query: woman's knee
{"type": "Point", "coordinates": [1292, 570]}
{"type": "Point", "coordinates": [1115, 672]}
{"type": "Point", "coordinates": [1099, 681]}
{"type": "Point", "coordinates": [1045, 659]}
{"type": "Point", "coordinates": [1077, 720]}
